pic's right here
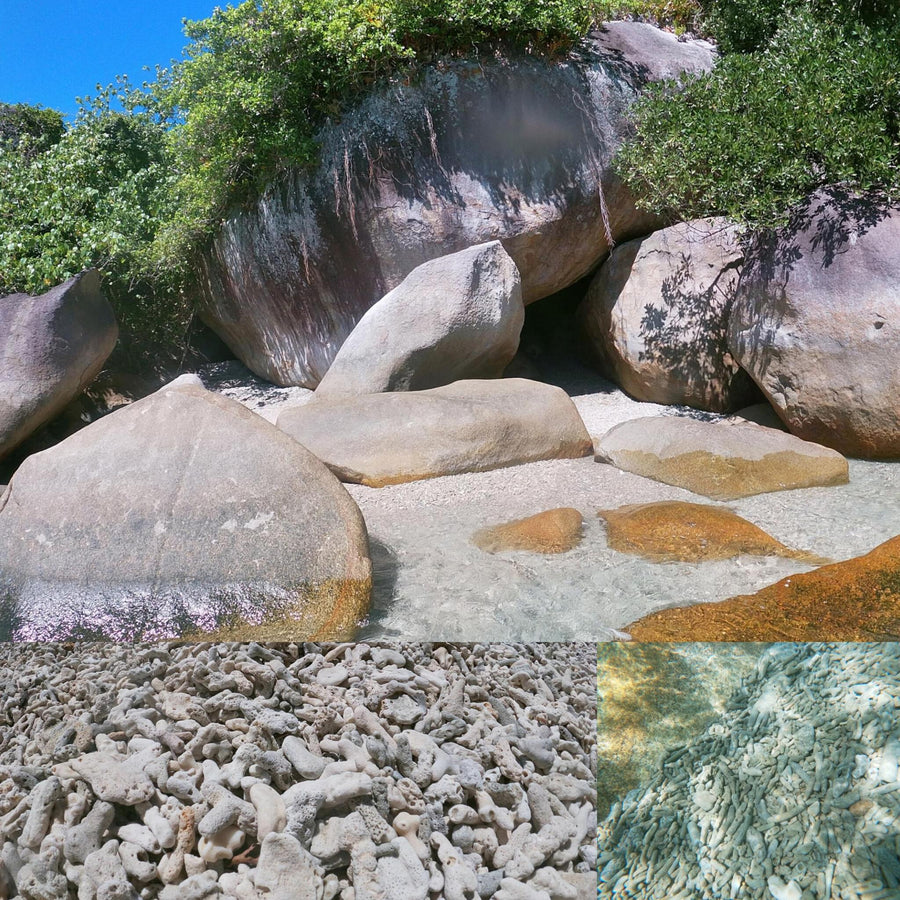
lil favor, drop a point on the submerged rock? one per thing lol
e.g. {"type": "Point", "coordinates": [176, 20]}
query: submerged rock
{"type": "Point", "coordinates": [181, 513]}
{"type": "Point", "coordinates": [458, 316]}
{"type": "Point", "coordinates": [515, 150]}
{"type": "Point", "coordinates": [656, 316]}
{"type": "Point", "coordinates": [468, 426]}
{"type": "Point", "coordinates": [675, 531]}
{"type": "Point", "coordinates": [721, 461]}
{"type": "Point", "coordinates": [553, 531]}
{"type": "Point", "coordinates": [855, 600]}
{"type": "Point", "coordinates": [816, 322]}
{"type": "Point", "coordinates": [51, 348]}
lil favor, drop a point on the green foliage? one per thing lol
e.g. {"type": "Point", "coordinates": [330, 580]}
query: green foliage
{"type": "Point", "coordinates": [680, 15]}
{"type": "Point", "coordinates": [746, 25]}
{"type": "Point", "coordinates": [94, 197]}
{"type": "Point", "coordinates": [820, 104]}
{"type": "Point", "coordinates": [29, 129]}
{"type": "Point", "coordinates": [258, 81]}
{"type": "Point", "coordinates": [137, 193]}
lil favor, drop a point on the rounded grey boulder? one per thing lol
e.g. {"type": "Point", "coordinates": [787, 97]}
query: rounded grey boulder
{"type": "Point", "coordinates": [51, 348]}
{"type": "Point", "coordinates": [183, 513]}
{"type": "Point", "coordinates": [457, 316]}
{"type": "Point", "coordinates": [656, 316]}
{"type": "Point", "coordinates": [816, 322]}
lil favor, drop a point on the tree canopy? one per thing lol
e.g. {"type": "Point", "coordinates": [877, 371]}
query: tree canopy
{"type": "Point", "coordinates": [807, 92]}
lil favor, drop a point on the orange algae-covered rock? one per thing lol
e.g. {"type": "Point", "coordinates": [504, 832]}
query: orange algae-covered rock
{"type": "Point", "coordinates": [855, 600]}
{"type": "Point", "coordinates": [677, 531]}
{"type": "Point", "coordinates": [553, 531]}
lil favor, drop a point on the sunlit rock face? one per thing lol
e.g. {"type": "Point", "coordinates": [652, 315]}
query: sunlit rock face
{"type": "Point", "coordinates": [454, 317]}
{"type": "Point", "coordinates": [468, 426]}
{"type": "Point", "coordinates": [474, 151]}
{"type": "Point", "coordinates": [656, 316]}
{"type": "Point", "coordinates": [181, 514]}
{"type": "Point", "coordinates": [722, 460]}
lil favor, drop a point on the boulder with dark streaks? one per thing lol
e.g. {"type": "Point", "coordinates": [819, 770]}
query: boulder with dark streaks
{"type": "Point", "coordinates": [511, 150]}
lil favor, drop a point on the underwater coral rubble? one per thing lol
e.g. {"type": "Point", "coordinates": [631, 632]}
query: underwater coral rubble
{"type": "Point", "coordinates": [793, 793]}
{"type": "Point", "coordinates": [297, 772]}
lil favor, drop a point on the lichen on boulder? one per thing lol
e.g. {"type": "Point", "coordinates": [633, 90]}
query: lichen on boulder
{"type": "Point", "coordinates": [677, 531]}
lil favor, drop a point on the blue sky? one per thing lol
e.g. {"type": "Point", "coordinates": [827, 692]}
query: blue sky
{"type": "Point", "coordinates": [52, 51]}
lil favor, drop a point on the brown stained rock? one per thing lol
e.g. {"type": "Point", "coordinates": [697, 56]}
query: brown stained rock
{"type": "Point", "coordinates": [676, 531]}
{"type": "Point", "coordinates": [553, 531]}
{"type": "Point", "coordinates": [861, 807]}
{"type": "Point", "coordinates": [329, 611]}
{"type": "Point", "coordinates": [721, 460]}
{"type": "Point", "coordinates": [855, 600]}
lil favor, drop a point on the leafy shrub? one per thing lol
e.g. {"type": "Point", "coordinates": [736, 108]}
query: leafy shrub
{"type": "Point", "coordinates": [29, 129]}
{"type": "Point", "coordinates": [747, 25]}
{"type": "Point", "coordinates": [94, 197]}
{"type": "Point", "coordinates": [820, 104]}
{"type": "Point", "coordinates": [681, 15]}
{"type": "Point", "coordinates": [258, 81]}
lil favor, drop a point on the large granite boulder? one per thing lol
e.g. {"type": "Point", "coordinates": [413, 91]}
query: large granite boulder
{"type": "Point", "coordinates": [656, 317]}
{"type": "Point", "coordinates": [816, 322]}
{"type": "Point", "coordinates": [720, 460]}
{"type": "Point", "coordinates": [183, 513]}
{"type": "Point", "coordinates": [516, 150]}
{"type": "Point", "coordinates": [469, 426]}
{"type": "Point", "coordinates": [454, 317]}
{"type": "Point", "coordinates": [51, 348]}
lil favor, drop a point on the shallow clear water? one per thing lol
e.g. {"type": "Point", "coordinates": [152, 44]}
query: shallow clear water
{"type": "Point", "coordinates": [792, 793]}
{"type": "Point", "coordinates": [432, 582]}
{"type": "Point", "coordinates": [654, 697]}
